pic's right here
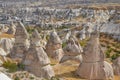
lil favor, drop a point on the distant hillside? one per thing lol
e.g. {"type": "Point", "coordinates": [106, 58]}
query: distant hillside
{"type": "Point", "coordinates": [65, 1]}
{"type": "Point", "coordinates": [62, 2]}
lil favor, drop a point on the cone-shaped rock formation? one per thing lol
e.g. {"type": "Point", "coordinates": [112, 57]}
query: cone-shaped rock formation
{"type": "Point", "coordinates": [36, 60]}
{"type": "Point", "coordinates": [54, 46]}
{"type": "Point", "coordinates": [93, 65]}
{"type": "Point", "coordinates": [21, 42]}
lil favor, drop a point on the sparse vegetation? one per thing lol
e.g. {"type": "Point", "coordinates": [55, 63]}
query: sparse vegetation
{"type": "Point", "coordinates": [21, 66]}
{"type": "Point", "coordinates": [108, 52]}
{"type": "Point", "coordinates": [64, 44]}
{"type": "Point", "coordinates": [54, 78]}
{"type": "Point", "coordinates": [114, 56]}
{"type": "Point", "coordinates": [12, 67]}
{"type": "Point", "coordinates": [83, 43]}
{"type": "Point", "coordinates": [32, 78]}
{"type": "Point", "coordinates": [29, 29]}
{"type": "Point", "coordinates": [17, 78]}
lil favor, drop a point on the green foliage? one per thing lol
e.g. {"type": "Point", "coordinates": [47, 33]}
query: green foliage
{"type": "Point", "coordinates": [12, 67]}
{"type": "Point", "coordinates": [108, 52]}
{"type": "Point", "coordinates": [29, 30]}
{"type": "Point", "coordinates": [47, 37]}
{"type": "Point", "coordinates": [64, 44]}
{"type": "Point", "coordinates": [64, 27]}
{"type": "Point", "coordinates": [17, 78]}
{"type": "Point", "coordinates": [52, 64]}
{"type": "Point", "coordinates": [83, 43]}
{"type": "Point", "coordinates": [21, 66]}
{"type": "Point", "coordinates": [32, 78]}
{"type": "Point", "coordinates": [114, 56]}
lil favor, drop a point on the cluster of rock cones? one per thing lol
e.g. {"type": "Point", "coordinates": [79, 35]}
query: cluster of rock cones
{"type": "Point", "coordinates": [35, 58]}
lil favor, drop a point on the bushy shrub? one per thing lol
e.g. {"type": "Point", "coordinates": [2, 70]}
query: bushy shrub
{"type": "Point", "coordinates": [12, 67]}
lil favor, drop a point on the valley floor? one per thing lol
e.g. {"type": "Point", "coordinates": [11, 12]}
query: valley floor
{"type": "Point", "coordinates": [67, 71]}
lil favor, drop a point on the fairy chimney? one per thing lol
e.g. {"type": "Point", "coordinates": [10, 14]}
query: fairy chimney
{"type": "Point", "coordinates": [21, 44]}
{"type": "Point", "coordinates": [38, 58]}
{"type": "Point", "coordinates": [93, 65]}
{"type": "Point", "coordinates": [54, 46]}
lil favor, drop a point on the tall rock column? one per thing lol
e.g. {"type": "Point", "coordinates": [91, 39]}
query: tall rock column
{"type": "Point", "coordinates": [93, 65]}
{"type": "Point", "coordinates": [21, 44]}
{"type": "Point", "coordinates": [36, 60]}
{"type": "Point", "coordinates": [54, 46]}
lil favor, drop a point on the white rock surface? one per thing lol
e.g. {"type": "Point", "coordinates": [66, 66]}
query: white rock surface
{"type": "Point", "coordinates": [4, 77]}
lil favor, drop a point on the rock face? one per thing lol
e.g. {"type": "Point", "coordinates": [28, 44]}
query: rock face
{"type": "Point", "coordinates": [72, 50]}
{"type": "Point", "coordinates": [6, 44]}
{"type": "Point", "coordinates": [3, 76]}
{"type": "Point", "coordinates": [72, 47]}
{"type": "Point", "coordinates": [38, 58]}
{"type": "Point", "coordinates": [86, 31]}
{"type": "Point", "coordinates": [21, 42]}
{"type": "Point", "coordinates": [11, 29]}
{"type": "Point", "coordinates": [112, 29]}
{"type": "Point", "coordinates": [116, 66]}
{"type": "Point", "coordinates": [54, 46]}
{"type": "Point", "coordinates": [3, 55]}
{"type": "Point", "coordinates": [93, 65]}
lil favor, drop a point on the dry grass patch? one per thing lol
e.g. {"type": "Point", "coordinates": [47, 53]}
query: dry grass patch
{"type": "Point", "coordinates": [4, 35]}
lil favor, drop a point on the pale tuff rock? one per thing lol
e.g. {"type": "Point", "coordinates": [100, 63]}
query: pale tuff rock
{"type": "Point", "coordinates": [72, 50]}
{"type": "Point", "coordinates": [86, 31]}
{"type": "Point", "coordinates": [12, 29]}
{"type": "Point", "coordinates": [4, 77]}
{"type": "Point", "coordinates": [93, 65]}
{"type": "Point", "coordinates": [3, 55]}
{"type": "Point", "coordinates": [35, 39]}
{"type": "Point", "coordinates": [54, 38]}
{"type": "Point", "coordinates": [54, 46]}
{"type": "Point", "coordinates": [6, 44]}
{"type": "Point", "coordinates": [38, 58]}
{"type": "Point", "coordinates": [3, 28]}
{"type": "Point", "coordinates": [116, 66]}
{"type": "Point", "coordinates": [109, 73]}
{"type": "Point", "coordinates": [82, 34]}
{"type": "Point", "coordinates": [21, 44]}
{"type": "Point", "coordinates": [73, 47]}
{"type": "Point", "coordinates": [66, 38]}
{"type": "Point", "coordinates": [111, 28]}
{"type": "Point", "coordinates": [75, 58]}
